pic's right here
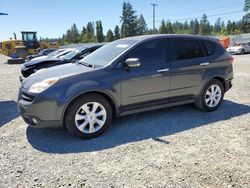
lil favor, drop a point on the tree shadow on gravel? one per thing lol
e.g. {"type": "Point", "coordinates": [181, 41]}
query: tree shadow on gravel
{"type": "Point", "coordinates": [133, 128]}
{"type": "Point", "coordinates": [8, 112]}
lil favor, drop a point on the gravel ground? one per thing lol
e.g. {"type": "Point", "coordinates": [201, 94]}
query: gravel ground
{"type": "Point", "coordinates": [176, 147]}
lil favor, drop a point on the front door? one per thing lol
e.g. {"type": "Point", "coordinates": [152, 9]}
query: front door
{"type": "Point", "coordinates": [149, 82]}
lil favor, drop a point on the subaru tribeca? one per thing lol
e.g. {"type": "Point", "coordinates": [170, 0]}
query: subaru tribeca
{"type": "Point", "coordinates": [127, 76]}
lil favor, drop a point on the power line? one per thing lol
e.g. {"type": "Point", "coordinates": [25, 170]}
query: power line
{"type": "Point", "coordinates": [181, 19]}
{"type": "Point", "coordinates": [3, 14]}
{"type": "Point", "coordinates": [154, 5]}
{"type": "Point", "coordinates": [197, 11]}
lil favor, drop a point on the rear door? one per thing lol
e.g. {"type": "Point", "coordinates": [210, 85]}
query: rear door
{"type": "Point", "coordinates": [187, 63]}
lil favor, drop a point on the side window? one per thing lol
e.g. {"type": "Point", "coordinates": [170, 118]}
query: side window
{"type": "Point", "coordinates": [185, 49]}
{"type": "Point", "coordinates": [150, 52]}
{"type": "Point", "coordinates": [210, 47]}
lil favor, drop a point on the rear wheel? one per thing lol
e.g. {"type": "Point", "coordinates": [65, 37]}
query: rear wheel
{"type": "Point", "coordinates": [88, 116]}
{"type": "Point", "coordinates": [211, 96]}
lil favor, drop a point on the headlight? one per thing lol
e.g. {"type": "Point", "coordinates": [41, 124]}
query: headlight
{"type": "Point", "coordinates": [43, 85]}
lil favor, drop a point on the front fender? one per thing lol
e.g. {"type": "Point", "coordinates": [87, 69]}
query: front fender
{"type": "Point", "coordinates": [88, 86]}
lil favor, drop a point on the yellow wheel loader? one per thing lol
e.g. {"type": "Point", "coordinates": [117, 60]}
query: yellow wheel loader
{"type": "Point", "coordinates": [18, 50]}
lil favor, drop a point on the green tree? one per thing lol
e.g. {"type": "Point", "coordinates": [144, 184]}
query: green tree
{"type": "Point", "coordinates": [89, 35]}
{"type": "Point", "coordinates": [128, 20]}
{"type": "Point", "coordinates": [217, 25]}
{"type": "Point", "coordinates": [162, 28]}
{"type": "Point", "coordinates": [196, 27]}
{"type": "Point", "coordinates": [169, 27]}
{"type": "Point", "coordinates": [74, 34]}
{"type": "Point", "coordinates": [246, 18]}
{"type": "Point", "coordinates": [99, 32]}
{"type": "Point", "coordinates": [141, 26]}
{"type": "Point", "coordinates": [117, 32]}
{"type": "Point", "coordinates": [110, 36]}
{"type": "Point", "coordinates": [229, 27]}
{"type": "Point", "coordinates": [204, 25]}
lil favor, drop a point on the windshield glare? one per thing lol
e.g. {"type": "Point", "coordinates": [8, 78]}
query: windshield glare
{"type": "Point", "coordinates": [107, 53]}
{"type": "Point", "coordinates": [71, 54]}
{"type": "Point", "coordinates": [52, 54]}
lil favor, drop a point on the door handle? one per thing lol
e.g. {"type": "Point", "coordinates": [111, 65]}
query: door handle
{"type": "Point", "coordinates": [204, 64]}
{"type": "Point", "coordinates": [163, 70]}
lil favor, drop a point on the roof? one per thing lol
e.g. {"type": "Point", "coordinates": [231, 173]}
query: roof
{"type": "Point", "coordinates": [83, 45]}
{"type": "Point", "coordinates": [155, 36]}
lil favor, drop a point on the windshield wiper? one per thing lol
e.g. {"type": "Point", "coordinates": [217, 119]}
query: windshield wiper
{"type": "Point", "coordinates": [86, 64]}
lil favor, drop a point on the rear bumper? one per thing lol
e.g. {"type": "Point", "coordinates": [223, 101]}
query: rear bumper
{"type": "Point", "coordinates": [228, 84]}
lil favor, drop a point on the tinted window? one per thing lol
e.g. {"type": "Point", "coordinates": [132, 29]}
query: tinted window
{"type": "Point", "coordinates": [210, 47]}
{"type": "Point", "coordinates": [185, 49]}
{"type": "Point", "coordinates": [151, 52]}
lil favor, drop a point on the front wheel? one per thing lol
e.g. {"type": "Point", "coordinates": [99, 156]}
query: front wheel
{"type": "Point", "coordinates": [211, 96]}
{"type": "Point", "coordinates": [88, 116]}
{"type": "Point", "coordinates": [242, 51]}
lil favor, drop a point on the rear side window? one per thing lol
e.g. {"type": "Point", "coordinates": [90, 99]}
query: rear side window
{"type": "Point", "coordinates": [210, 47]}
{"type": "Point", "coordinates": [182, 49]}
{"type": "Point", "coordinates": [150, 52]}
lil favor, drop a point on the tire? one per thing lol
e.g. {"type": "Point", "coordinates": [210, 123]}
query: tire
{"type": "Point", "coordinates": [204, 101]}
{"type": "Point", "coordinates": [80, 118]}
{"type": "Point", "coordinates": [242, 52]}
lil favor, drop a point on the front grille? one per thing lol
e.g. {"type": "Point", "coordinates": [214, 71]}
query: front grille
{"type": "Point", "coordinates": [27, 97]}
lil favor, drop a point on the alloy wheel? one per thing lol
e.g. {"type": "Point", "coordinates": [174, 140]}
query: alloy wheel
{"type": "Point", "coordinates": [213, 96]}
{"type": "Point", "coordinates": [90, 117]}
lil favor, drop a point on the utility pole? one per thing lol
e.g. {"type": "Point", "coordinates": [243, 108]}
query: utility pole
{"type": "Point", "coordinates": [154, 5]}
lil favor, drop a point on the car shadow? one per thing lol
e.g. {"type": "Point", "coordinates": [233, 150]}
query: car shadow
{"type": "Point", "coordinates": [8, 112]}
{"type": "Point", "coordinates": [133, 128]}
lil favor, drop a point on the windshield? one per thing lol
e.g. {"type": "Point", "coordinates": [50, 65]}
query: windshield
{"type": "Point", "coordinates": [71, 54]}
{"type": "Point", "coordinates": [107, 53]}
{"type": "Point", "coordinates": [52, 54]}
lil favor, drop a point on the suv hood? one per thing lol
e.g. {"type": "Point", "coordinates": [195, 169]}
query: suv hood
{"type": "Point", "coordinates": [60, 71]}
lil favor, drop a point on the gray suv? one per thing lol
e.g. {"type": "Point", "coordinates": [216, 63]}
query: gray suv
{"type": "Point", "coordinates": [127, 76]}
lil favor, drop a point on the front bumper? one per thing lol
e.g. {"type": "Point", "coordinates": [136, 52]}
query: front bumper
{"type": "Point", "coordinates": [234, 51]}
{"type": "Point", "coordinates": [38, 113]}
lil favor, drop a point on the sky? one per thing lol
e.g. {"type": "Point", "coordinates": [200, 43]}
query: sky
{"type": "Point", "coordinates": [51, 18]}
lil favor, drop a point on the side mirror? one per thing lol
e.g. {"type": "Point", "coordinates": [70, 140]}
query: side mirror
{"type": "Point", "coordinates": [133, 62]}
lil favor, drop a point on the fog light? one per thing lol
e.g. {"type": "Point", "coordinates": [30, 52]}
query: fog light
{"type": "Point", "coordinates": [34, 120]}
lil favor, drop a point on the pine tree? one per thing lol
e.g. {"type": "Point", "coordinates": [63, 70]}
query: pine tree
{"type": "Point", "coordinates": [99, 32]}
{"type": "Point", "coordinates": [141, 26]}
{"type": "Point", "coordinates": [110, 36]}
{"type": "Point", "coordinates": [246, 17]}
{"type": "Point", "coordinates": [217, 25]}
{"type": "Point", "coordinates": [229, 27]}
{"type": "Point", "coordinates": [74, 34]}
{"type": "Point", "coordinates": [162, 28]}
{"type": "Point", "coordinates": [204, 25]}
{"type": "Point", "coordinates": [169, 28]}
{"type": "Point", "coordinates": [196, 27]}
{"type": "Point", "coordinates": [117, 32]}
{"type": "Point", "coordinates": [128, 20]}
{"type": "Point", "coordinates": [89, 35]}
